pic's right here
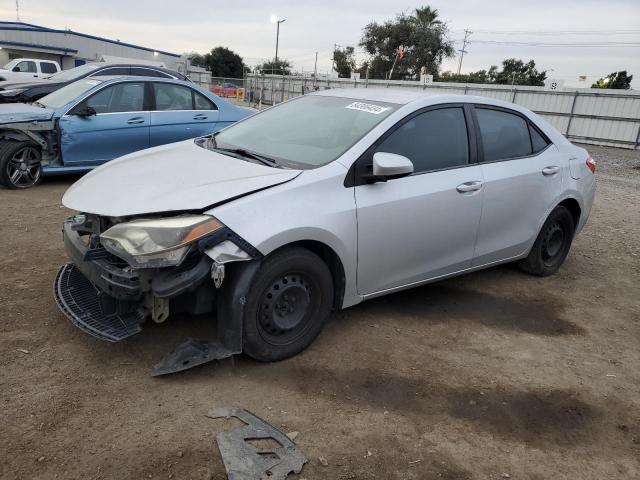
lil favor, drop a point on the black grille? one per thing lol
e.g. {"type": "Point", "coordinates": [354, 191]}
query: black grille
{"type": "Point", "coordinates": [91, 310]}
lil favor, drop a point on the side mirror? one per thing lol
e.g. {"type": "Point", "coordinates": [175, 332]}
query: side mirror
{"type": "Point", "coordinates": [390, 165]}
{"type": "Point", "coordinates": [15, 69]}
{"type": "Point", "coordinates": [84, 111]}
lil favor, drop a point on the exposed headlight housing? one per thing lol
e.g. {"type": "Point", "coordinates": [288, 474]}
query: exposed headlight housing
{"type": "Point", "coordinates": [155, 243]}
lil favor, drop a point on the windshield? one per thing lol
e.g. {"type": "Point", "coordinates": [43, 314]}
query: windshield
{"type": "Point", "coordinates": [306, 132]}
{"type": "Point", "coordinates": [11, 64]}
{"type": "Point", "coordinates": [72, 74]}
{"type": "Point", "coordinates": [68, 93]}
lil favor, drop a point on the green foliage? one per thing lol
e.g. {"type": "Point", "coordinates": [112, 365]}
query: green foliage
{"type": "Point", "coordinates": [617, 80]}
{"type": "Point", "coordinates": [283, 67]}
{"type": "Point", "coordinates": [423, 36]}
{"type": "Point", "coordinates": [345, 61]}
{"type": "Point", "coordinates": [513, 71]}
{"type": "Point", "coordinates": [519, 73]}
{"type": "Point", "coordinates": [222, 62]}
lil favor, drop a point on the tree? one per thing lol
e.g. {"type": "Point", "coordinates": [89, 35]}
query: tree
{"type": "Point", "coordinates": [283, 67]}
{"type": "Point", "coordinates": [481, 76]}
{"type": "Point", "coordinates": [345, 61]}
{"type": "Point", "coordinates": [618, 80]}
{"type": "Point", "coordinates": [197, 59]}
{"type": "Point", "coordinates": [422, 35]}
{"type": "Point", "coordinates": [517, 72]}
{"type": "Point", "coordinates": [224, 63]}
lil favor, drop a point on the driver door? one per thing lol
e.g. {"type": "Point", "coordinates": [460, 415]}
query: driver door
{"type": "Point", "coordinates": [120, 126]}
{"type": "Point", "coordinates": [422, 226]}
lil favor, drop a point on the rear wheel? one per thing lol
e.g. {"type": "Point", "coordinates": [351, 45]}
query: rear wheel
{"type": "Point", "coordinates": [20, 164]}
{"type": "Point", "coordinates": [552, 245]}
{"type": "Point", "coordinates": [288, 302]}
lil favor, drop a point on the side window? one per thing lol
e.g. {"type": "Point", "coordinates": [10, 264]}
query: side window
{"type": "Point", "coordinates": [203, 103]}
{"type": "Point", "coordinates": [504, 135]}
{"type": "Point", "coordinates": [148, 72]}
{"type": "Point", "coordinates": [432, 140]}
{"type": "Point", "coordinates": [48, 67]}
{"type": "Point", "coordinates": [26, 66]}
{"type": "Point", "coordinates": [172, 97]}
{"type": "Point", "coordinates": [118, 71]}
{"type": "Point", "coordinates": [538, 142]}
{"type": "Point", "coordinates": [123, 97]}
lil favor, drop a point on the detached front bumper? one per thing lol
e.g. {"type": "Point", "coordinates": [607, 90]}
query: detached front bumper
{"type": "Point", "coordinates": [106, 298]}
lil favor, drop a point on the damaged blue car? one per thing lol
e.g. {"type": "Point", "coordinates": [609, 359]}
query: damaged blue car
{"type": "Point", "coordinates": [97, 119]}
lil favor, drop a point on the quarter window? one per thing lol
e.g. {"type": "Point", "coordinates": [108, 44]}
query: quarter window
{"type": "Point", "coordinates": [48, 67]}
{"type": "Point", "coordinates": [432, 140]}
{"type": "Point", "coordinates": [538, 142]}
{"type": "Point", "coordinates": [172, 97]}
{"type": "Point", "coordinates": [203, 103]}
{"type": "Point", "coordinates": [123, 97]}
{"type": "Point", "coordinates": [504, 135]}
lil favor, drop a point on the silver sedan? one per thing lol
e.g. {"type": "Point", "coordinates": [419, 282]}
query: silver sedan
{"type": "Point", "coordinates": [316, 204]}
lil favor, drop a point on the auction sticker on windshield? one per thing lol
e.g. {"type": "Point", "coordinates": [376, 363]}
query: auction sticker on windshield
{"type": "Point", "coordinates": [367, 107]}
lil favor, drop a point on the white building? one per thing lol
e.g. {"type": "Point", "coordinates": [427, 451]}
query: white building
{"type": "Point", "coordinates": [70, 49]}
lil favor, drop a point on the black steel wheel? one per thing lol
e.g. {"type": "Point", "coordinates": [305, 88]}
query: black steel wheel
{"type": "Point", "coordinates": [288, 302]}
{"type": "Point", "coordinates": [20, 164]}
{"type": "Point", "coordinates": [552, 244]}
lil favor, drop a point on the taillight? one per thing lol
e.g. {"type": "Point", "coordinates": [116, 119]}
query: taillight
{"type": "Point", "coordinates": [591, 165]}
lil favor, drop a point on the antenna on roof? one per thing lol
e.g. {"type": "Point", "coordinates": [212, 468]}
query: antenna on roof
{"type": "Point", "coordinates": [17, 11]}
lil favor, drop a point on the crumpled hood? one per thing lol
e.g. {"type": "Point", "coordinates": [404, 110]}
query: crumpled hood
{"type": "Point", "coordinates": [175, 177]}
{"type": "Point", "coordinates": [22, 112]}
{"type": "Point", "coordinates": [10, 85]}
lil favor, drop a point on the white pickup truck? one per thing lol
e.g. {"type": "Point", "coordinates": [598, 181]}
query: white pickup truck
{"type": "Point", "coordinates": [22, 69]}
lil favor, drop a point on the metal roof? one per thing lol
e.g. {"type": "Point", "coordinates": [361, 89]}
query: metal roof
{"type": "Point", "coordinates": [29, 27]}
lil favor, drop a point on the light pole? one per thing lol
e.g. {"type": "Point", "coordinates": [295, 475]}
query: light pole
{"type": "Point", "coordinates": [277, 21]}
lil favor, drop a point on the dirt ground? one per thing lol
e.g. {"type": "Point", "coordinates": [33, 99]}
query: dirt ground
{"type": "Point", "coordinates": [489, 376]}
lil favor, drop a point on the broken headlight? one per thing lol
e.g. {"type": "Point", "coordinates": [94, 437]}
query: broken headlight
{"type": "Point", "coordinates": [157, 243]}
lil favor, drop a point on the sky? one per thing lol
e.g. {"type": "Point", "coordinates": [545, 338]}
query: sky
{"type": "Point", "coordinates": [244, 26]}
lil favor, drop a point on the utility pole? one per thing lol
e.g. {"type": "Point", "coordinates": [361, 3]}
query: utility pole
{"type": "Point", "coordinates": [462, 50]}
{"type": "Point", "coordinates": [333, 61]}
{"type": "Point", "coordinates": [315, 72]}
{"type": "Point", "coordinates": [17, 11]}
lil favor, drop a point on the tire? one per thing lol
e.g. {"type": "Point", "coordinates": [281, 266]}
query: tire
{"type": "Point", "coordinates": [287, 305]}
{"type": "Point", "coordinates": [552, 245]}
{"type": "Point", "coordinates": [20, 164]}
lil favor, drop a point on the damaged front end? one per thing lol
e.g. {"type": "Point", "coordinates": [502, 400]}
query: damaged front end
{"type": "Point", "coordinates": [124, 271]}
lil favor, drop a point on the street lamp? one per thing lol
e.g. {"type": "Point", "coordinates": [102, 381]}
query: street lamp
{"type": "Point", "coordinates": [277, 21]}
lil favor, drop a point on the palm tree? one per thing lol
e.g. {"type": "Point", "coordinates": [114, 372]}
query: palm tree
{"type": "Point", "coordinates": [427, 16]}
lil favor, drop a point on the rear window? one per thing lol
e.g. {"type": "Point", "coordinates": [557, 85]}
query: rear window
{"type": "Point", "coordinates": [538, 142]}
{"type": "Point", "coordinates": [48, 67]}
{"type": "Point", "coordinates": [504, 135]}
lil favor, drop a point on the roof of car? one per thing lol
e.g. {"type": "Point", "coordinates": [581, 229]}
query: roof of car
{"type": "Point", "coordinates": [402, 96]}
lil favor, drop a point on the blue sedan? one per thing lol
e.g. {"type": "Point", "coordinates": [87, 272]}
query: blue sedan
{"type": "Point", "coordinates": [94, 120]}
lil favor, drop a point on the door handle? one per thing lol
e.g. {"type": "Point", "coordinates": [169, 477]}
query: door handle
{"type": "Point", "coordinates": [135, 120]}
{"type": "Point", "coordinates": [469, 187]}
{"type": "Point", "coordinates": [552, 170]}
{"type": "Point", "coordinates": [200, 116]}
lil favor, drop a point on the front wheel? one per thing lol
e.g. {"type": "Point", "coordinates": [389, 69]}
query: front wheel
{"type": "Point", "coordinates": [20, 164]}
{"type": "Point", "coordinates": [288, 302]}
{"type": "Point", "coordinates": [552, 245]}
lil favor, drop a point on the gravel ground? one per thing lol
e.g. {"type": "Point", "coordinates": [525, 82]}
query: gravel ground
{"type": "Point", "coordinates": [488, 376]}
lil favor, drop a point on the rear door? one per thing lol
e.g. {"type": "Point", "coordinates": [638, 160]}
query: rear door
{"type": "Point", "coordinates": [522, 173]}
{"type": "Point", "coordinates": [422, 226]}
{"type": "Point", "coordinates": [180, 113]}
{"type": "Point", "coordinates": [120, 126]}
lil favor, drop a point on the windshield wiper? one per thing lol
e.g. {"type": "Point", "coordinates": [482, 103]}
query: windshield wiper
{"type": "Point", "coordinates": [270, 162]}
{"type": "Point", "coordinates": [38, 104]}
